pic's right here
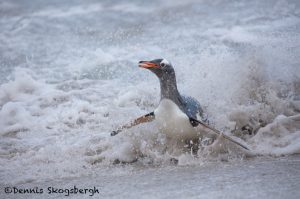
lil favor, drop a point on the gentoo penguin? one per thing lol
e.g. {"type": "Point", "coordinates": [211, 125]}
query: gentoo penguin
{"type": "Point", "coordinates": [177, 115]}
{"type": "Point", "coordinates": [174, 110]}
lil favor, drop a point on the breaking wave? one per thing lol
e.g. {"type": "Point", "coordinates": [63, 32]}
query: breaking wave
{"type": "Point", "coordinates": [60, 101]}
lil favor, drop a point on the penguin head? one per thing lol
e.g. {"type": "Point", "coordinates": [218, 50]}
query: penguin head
{"type": "Point", "coordinates": [162, 68]}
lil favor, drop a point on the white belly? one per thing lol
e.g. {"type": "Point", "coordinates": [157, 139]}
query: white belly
{"type": "Point", "coordinates": [173, 122]}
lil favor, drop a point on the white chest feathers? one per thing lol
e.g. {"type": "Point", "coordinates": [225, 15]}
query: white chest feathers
{"type": "Point", "coordinates": [173, 122]}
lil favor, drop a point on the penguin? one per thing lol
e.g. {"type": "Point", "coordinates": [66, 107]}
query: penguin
{"type": "Point", "coordinates": [177, 115]}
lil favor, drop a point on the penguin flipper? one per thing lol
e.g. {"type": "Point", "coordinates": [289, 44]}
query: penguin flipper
{"type": "Point", "coordinates": [145, 118]}
{"type": "Point", "coordinates": [195, 122]}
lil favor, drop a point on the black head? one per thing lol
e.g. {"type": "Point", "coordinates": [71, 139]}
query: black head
{"type": "Point", "coordinates": [162, 68]}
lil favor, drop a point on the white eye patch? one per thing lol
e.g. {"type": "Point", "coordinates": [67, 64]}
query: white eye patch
{"type": "Point", "coordinates": [164, 61]}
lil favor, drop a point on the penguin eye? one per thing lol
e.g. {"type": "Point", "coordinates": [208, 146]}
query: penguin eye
{"type": "Point", "coordinates": [162, 65]}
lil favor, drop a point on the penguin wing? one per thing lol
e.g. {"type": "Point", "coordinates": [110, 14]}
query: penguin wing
{"type": "Point", "coordinates": [196, 122]}
{"type": "Point", "coordinates": [145, 118]}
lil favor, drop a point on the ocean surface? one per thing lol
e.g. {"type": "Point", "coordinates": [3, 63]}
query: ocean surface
{"type": "Point", "coordinates": [69, 76]}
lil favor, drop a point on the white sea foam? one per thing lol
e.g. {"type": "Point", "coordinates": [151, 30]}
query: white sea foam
{"type": "Point", "coordinates": [69, 87]}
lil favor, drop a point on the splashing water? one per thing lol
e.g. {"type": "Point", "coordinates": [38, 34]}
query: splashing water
{"type": "Point", "coordinates": [69, 76]}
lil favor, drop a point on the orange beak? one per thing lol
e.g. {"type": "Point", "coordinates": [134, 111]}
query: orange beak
{"type": "Point", "coordinates": [147, 64]}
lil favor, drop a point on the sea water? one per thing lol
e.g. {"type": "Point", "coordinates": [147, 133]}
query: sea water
{"type": "Point", "coordinates": [69, 76]}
